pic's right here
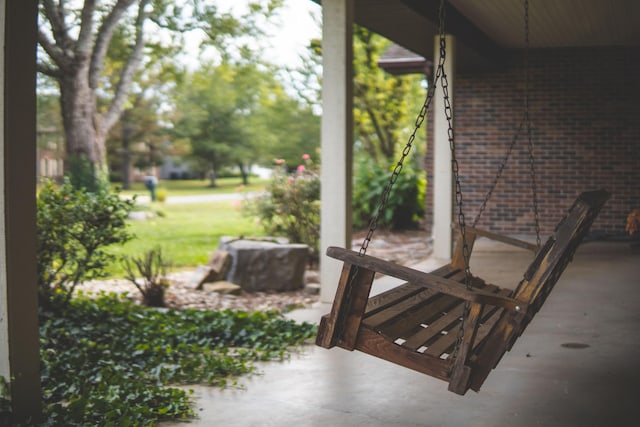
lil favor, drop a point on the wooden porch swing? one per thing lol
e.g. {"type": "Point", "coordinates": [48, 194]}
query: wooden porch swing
{"type": "Point", "coordinates": [448, 323]}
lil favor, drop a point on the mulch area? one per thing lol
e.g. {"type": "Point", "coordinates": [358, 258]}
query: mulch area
{"type": "Point", "coordinates": [402, 247]}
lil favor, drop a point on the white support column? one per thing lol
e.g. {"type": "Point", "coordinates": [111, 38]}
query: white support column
{"type": "Point", "coordinates": [336, 137]}
{"type": "Point", "coordinates": [443, 191]}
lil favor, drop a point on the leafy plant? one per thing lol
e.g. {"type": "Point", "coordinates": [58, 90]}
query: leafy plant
{"type": "Point", "coordinates": [633, 222]}
{"type": "Point", "coordinates": [74, 227]}
{"type": "Point", "coordinates": [153, 269]}
{"type": "Point", "coordinates": [108, 361]}
{"type": "Point", "coordinates": [290, 207]}
{"type": "Point", "coordinates": [405, 205]}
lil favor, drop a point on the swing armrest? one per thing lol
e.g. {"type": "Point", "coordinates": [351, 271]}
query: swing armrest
{"type": "Point", "coordinates": [504, 239]}
{"type": "Point", "coordinates": [428, 280]}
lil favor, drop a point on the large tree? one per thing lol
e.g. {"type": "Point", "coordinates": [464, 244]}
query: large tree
{"type": "Point", "coordinates": [74, 38]}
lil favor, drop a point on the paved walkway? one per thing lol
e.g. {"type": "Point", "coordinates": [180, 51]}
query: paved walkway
{"type": "Point", "coordinates": [198, 198]}
{"type": "Point", "coordinates": [577, 364]}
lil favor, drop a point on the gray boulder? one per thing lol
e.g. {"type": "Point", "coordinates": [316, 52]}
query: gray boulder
{"type": "Point", "coordinates": [265, 265]}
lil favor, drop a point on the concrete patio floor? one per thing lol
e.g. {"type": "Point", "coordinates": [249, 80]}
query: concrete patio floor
{"type": "Point", "coordinates": [577, 364]}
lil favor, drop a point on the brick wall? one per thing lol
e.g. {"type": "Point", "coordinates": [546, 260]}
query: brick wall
{"type": "Point", "coordinates": [585, 110]}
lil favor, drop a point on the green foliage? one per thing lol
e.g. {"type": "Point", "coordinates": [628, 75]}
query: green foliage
{"type": "Point", "coordinates": [107, 361]}
{"type": "Point", "coordinates": [290, 207]}
{"type": "Point", "coordinates": [153, 269]}
{"type": "Point", "coordinates": [74, 227]}
{"type": "Point", "coordinates": [5, 401]}
{"type": "Point", "coordinates": [384, 104]}
{"type": "Point", "coordinates": [84, 175]}
{"type": "Point", "coordinates": [405, 205]}
{"type": "Point", "coordinates": [240, 114]}
{"type": "Point", "coordinates": [215, 106]}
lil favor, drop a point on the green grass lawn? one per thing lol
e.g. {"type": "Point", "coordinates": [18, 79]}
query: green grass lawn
{"type": "Point", "coordinates": [192, 187]}
{"type": "Point", "coordinates": [186, 233]}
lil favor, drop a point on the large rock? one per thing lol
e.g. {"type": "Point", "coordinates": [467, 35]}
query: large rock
{"type": "Point", "coordinates": [261, 265]}
{"type": "Point", "coordinates": [214, 271]}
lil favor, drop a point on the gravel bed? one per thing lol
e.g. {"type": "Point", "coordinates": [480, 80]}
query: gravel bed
{"type": "Point", "coordinates": [407, 247]}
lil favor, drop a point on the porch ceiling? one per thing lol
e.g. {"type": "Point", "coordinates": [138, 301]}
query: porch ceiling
{"type": "Point", "coordinates": [487, 30]}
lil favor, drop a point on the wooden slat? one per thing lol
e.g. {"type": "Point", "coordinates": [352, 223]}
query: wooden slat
{"type": "Point", "coordinates": [391, 297]}
{"type": "Point", "coordinates": [421, 337]}
{"type": "Point", "coordinates": [446, 342]}
{"type": "Point", "coordinates": [410, 322]}
{"type": "Point", "coordinates": [489, 319]}
{"type": "Point", "coordinates": [406, 322]}
{"type": "Point", "coordinates": [461, 372]}
{"type": "Point", "coordinates": [504, 239]}
{"type": "Point", "coordinates": [376, 345]}
{"type": "Point", "coordinates": [457, 260]}
{"type": "Point", "coordinates": [402, 306]}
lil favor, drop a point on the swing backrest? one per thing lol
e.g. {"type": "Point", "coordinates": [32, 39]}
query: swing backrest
{"type": "Point", "coordinates": [558, 251]}
{"type": "Point", "coordinates": [538, 281]}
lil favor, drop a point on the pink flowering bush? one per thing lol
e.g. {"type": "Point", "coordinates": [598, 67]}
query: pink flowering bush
{"type": "Point", "coordinates": [290, 207]}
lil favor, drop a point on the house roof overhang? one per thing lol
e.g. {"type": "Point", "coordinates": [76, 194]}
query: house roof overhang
{"type": "Point", "coordinates": [488, 31]}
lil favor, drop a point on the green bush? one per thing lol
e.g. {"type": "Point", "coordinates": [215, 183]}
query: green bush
{"type": "Point", "coordinates": [290, 207]}
{"type": "Point", "coordinates": [405, 206]}
{"type": "Point", "coordinates": [73, 228]}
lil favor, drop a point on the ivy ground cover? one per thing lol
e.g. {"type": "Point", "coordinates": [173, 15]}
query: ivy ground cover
{"type": "Point", "coordinates": [107, 361]}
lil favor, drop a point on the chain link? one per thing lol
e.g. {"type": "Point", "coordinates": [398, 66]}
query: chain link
{"type": "Point", "coordinates": [525, 121]}
{"type": "Point", "coordinates": [466, 253]}
{"type": "Point", "coordinates": [534, 186]}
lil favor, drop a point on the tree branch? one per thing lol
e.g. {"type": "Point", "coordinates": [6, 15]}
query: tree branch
{"type": "Point", "coordinates": [85, 36]}
{"type": "Point", "coordinates": [103, 39]}
{"type": "Point", "coordinates": [56, 54]}
{"type": "Point", "coordinates": [128, 71]}
{"type": "Point", "coordinates": [49, 71]}
{"type": "Point", "coordinates": [55, 16]}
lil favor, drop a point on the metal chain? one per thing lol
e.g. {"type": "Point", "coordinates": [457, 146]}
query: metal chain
{"type": "Point", "coordinates": [466, 253]}
{"type": "Point", "coordinates": [503, 164]}
{"type": "Point", "coordinates": [373, 224]}
{"type": "Point", "coordinates": [439, 74]}
{"type": "Point", "coordinates": [534, 186]}
{"type": "Point", "coordinates": [525, 120]}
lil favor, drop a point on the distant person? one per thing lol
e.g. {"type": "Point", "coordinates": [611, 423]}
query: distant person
{"type": "Point", "coordinates": [151, 182]}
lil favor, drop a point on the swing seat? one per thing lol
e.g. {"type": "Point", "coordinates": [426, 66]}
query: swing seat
{"type": "Point", "coordinates": [417, 324]}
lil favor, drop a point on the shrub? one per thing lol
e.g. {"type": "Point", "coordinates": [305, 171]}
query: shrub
{"type": "Point", "coordinates": [153, 269]}
{"type": "Point", "coordinates": [291, 205]}
{"type": "Point", "coordinates": [73, 228]}
{"type": "Point", "coordinates": [405, 205]}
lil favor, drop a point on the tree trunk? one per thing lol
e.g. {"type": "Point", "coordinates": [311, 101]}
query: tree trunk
{"type": "Point", "coordinates": [244, 173]}
{"type": "Point", "coordinates": [212, 176]}
{"type": "Point", "coordinates": [84, 137]}
{"type": "Point", "coordinates": [127, 131]}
